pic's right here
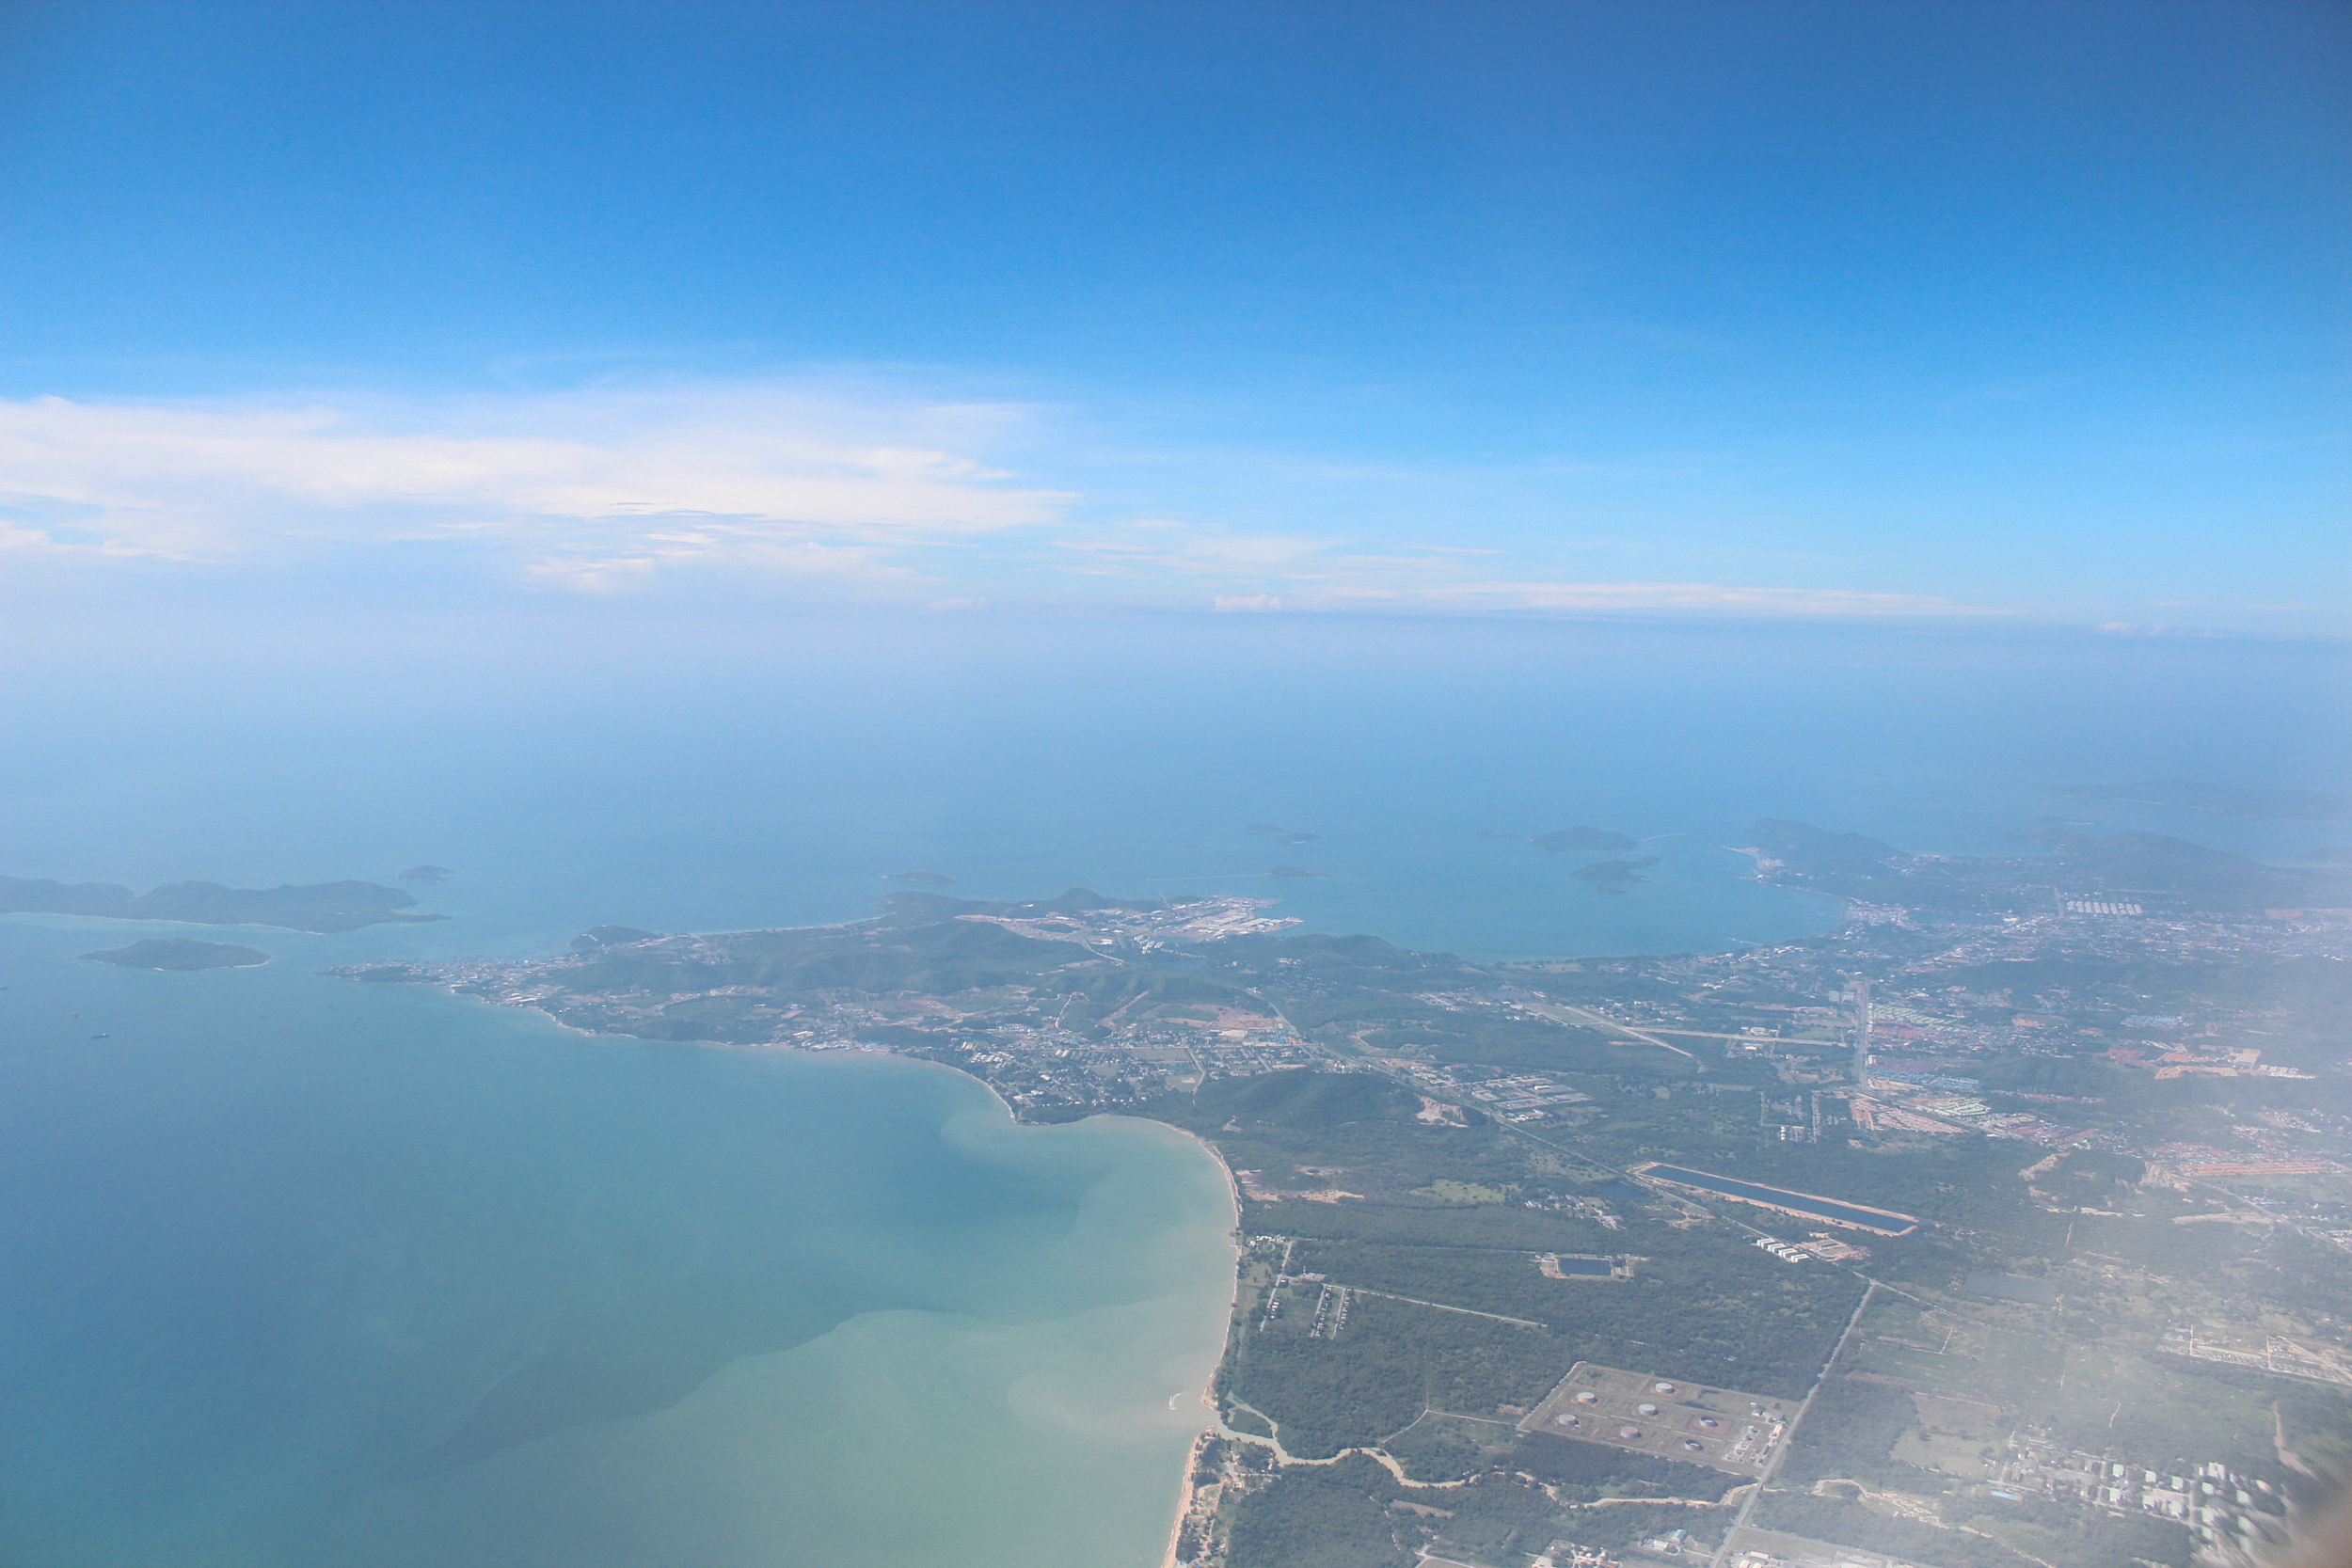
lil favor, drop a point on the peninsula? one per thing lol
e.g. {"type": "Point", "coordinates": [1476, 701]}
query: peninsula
{"type": "Point", "coordinates": [320, 908]}
{"type": "Point", "coordinates": [180, 952]}
{"type": "Point", "coordinates": [1498, 1305]}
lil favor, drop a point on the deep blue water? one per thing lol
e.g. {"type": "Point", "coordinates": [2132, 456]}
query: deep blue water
{"type": "Point", "coordinates": [295, 1272]}
{"type": "Point", "coordinates": [756, 775]}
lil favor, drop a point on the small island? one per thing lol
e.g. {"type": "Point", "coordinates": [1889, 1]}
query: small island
{"type": "Point", "coordinates": [427, 874]}
{"type": "Point", "coordinates": [180, 952]}
{"type": "Point", "coordinates": [933, 878]}
{"type": "Point", "coordinates": [1279, 834]}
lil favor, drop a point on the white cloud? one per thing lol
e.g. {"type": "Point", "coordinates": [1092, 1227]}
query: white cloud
{"type": "Point", "coordinates": [586, 483]}
{"type": "Point", "coordinates": [606, 576]}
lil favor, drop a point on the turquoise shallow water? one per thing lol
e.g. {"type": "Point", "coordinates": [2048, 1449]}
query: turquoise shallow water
{"type": "Point", "coordinates": [299, 1271]}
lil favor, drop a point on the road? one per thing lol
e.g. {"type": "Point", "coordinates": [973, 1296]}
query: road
{"type": "Point", "coordinates": [1466, 1311]}
{"type": "Point", "coordinates": [1772, 1466]}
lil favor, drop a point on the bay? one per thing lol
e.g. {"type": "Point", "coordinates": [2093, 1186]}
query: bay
{"type": "Point", "coordinates": [301, 1271]}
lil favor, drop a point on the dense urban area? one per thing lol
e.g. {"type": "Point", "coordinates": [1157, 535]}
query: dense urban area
{"type": "Point", "coordinates": [2004, 1225]}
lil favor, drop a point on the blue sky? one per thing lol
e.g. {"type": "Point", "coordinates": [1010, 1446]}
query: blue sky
{"type": "Point", "coordinates": [1876, 311]}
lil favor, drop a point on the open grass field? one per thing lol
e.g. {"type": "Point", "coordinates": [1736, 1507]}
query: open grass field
{"type": "Point", "coordinates": [1978, 1372]}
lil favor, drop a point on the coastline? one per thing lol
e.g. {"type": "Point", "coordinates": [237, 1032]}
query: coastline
{"type": "Point", "coordinates": [1197, 1499]}
{"type": "Point", "coordinates": [1188, 1494]}
{"type": "Point", "coordinates": [1197, 1496]}
{"type": "Point", "coordinates": [1187, 1489]}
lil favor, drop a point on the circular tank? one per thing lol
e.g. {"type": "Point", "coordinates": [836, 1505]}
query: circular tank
{"type": "Point", "coordinates": [1647, 1409]}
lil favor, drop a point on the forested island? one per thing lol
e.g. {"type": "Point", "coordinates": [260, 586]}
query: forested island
{"type": "Point", "coordinates": [320, 908]}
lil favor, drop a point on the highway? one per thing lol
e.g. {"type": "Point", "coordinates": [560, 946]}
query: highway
{"type": "Point", "coordinates": [1789, 1435]}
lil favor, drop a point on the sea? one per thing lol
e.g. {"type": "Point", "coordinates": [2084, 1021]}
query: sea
{"type": "Point", "coordinates": [299, 1271]}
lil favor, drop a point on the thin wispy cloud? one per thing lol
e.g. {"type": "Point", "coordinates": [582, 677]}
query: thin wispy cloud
{"type": "Point", "coordinates": [1720, 598]}
{"type": "Point", "coordinates": [1162, 547]}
